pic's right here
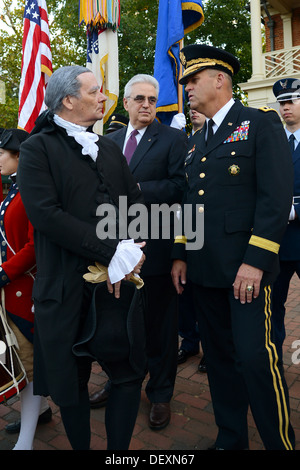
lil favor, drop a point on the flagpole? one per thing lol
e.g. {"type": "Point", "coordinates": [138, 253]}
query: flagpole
{"type": "Point", "coordinates": [102, 21]}
{"type": "Point", "coordinates": [180, 98]}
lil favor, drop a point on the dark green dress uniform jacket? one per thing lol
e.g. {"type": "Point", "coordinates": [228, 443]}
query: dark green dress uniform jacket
{"type": "Point", "coordinates": [244, 179]}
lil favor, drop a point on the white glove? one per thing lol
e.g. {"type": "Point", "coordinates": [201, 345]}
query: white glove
{"type": "Point", "coordinates": [292, 215]}
{"type": "Point", "coordinates": [178, 121]}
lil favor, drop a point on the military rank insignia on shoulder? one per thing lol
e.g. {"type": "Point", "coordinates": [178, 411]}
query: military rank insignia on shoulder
{"type": "Point", "coordinates": [266, 109]}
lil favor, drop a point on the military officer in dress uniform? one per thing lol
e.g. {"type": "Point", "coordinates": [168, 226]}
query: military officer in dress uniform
{"type": "Point", "coordinates": [287, 92]}
{"type": "Point", "coordinates": [239, 175]}
{"type": "Point", "coordinates": [116, 122]}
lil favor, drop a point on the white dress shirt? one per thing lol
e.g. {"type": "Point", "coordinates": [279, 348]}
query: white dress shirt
{"type": "Point", "coordinates": [138, 137]}
{"type": "Point", "coordinates": [219, 116]}
{"type": "Point", "coordinates": [292, 215]}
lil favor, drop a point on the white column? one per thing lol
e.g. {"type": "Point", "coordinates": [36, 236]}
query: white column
{"type": "Point", "coordinates": [288, 42]}
{"type": "Point", "coordinates": [287, 30]}
{"type": "Point", "coordinates": [256, 41]}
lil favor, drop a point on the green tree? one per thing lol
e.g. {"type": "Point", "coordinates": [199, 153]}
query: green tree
{"type": "Point", "coordinates": [227, 25]}
{"type": "Point", "coordinates": [10, 61]}
{"type": "Point", "coordinates": [68, 46]}
{"type": "Point", "coordinates": [137, 37]}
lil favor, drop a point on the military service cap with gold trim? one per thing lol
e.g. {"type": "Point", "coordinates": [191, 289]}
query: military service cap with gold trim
{"type": "Point", "coordinates": [115, 122]}
{"type": "Point", "coordinates": [197, 57]}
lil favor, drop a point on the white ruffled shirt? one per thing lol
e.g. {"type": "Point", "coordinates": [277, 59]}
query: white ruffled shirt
{"type": "Point", "coordinates": [128, 253]}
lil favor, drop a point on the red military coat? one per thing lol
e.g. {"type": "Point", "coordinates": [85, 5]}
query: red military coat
{"type": "Point", "coordinates": [16, 236]}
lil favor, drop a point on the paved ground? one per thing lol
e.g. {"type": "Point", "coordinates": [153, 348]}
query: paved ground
{"type": "Point", "coordinates": [192, 425]}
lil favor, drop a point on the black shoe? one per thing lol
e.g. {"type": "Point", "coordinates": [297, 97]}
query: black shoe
{"type": "Point", "coordinates": [15, 427]}
{"type": "Point", "coordinates": [183, 355]}
{"type": "Point", "coordinates": [202, 365]}
{"type": "Point", "coordinates": [160, 415]}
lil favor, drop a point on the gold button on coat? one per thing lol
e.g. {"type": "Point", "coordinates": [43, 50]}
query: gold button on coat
{"type": "Point", "coordinates": [202, 175]}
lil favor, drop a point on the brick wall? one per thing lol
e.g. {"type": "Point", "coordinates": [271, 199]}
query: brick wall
{"type": "Point", "coordinates": [296, 27]}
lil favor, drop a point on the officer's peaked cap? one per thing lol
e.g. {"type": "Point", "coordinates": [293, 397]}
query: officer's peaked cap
{"type": "Point", "coordinates": [197, 57]}
{"type": "Point", "coordinates": [287, 89]}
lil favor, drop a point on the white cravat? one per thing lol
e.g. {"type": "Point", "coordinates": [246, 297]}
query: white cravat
{"type": "Point", "coordinates": [86, 139]}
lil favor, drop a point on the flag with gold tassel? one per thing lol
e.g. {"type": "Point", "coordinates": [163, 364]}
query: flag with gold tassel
{"type": "Point", "coordinates": [102, 20]}
{"type": "Point", "coordinates": [176, 18]}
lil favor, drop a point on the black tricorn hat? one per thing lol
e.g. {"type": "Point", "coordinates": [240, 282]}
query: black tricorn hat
{"type": "Point", "coordinates": [116, 122]}
{"type": "Point", "coordinates": [11, 139]}
{"type": "Point", "coordinates": [287, 89]}
{"type": "Point", "coordinates": [114, 332]}
{"type": "Point", "coordinates": [197, 57]}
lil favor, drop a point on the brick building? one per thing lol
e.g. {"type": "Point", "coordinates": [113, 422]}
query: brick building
{"type": "Point", "coordinates": [281, 57]}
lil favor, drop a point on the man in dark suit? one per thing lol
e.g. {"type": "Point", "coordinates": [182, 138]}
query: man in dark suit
{"type": "Point", "coordinates": [157, 166]}
{"type": "Point", "coordinates": [287, 92]}
{"type": "Point", "coordinates": [188, 325]}
{"type": "Point", "coordinates": [239, 177]}
{"type": "Point", "coordinates": [62, 183]}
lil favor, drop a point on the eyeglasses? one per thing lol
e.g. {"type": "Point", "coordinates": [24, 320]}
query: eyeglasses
{"type": "Point", "coordinates": [152, 100]}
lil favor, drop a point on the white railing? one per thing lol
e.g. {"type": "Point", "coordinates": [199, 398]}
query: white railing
{"type": "Point", "coordinates": [282, 62]}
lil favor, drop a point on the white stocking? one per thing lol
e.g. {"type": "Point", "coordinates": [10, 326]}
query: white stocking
{"type": "Point", "coordinates": [44, 405]}
{"type": "Point", "coordinates": [30, 410]}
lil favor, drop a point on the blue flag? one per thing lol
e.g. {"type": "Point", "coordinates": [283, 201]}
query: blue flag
{"type": "Point", "coordinates": [175, 19]}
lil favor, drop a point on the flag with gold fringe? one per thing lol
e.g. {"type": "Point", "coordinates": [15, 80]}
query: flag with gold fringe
{"type": "Point", "coordinates": [175, 19]}
{"type": "Point", "coordinates": [36, 67]}
{"type": "Point", "coordinates": [102, 20]}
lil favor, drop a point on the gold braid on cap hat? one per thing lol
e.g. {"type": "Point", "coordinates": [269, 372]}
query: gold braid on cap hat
{"type": "Point", "coordinates": [194, 64]}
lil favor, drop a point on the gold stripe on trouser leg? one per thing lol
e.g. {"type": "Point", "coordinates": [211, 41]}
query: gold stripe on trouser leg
{"type": "Point", "coordinates": [277, 382]}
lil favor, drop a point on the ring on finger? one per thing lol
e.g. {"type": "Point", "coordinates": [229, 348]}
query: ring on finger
{"type": "Point", "coordinates": [249, 288]}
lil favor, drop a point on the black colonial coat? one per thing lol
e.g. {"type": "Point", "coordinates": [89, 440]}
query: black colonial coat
{"type": "Point", "coordinates": [61, 190]}
{"type": "Point", "coordinates": [244, 179]}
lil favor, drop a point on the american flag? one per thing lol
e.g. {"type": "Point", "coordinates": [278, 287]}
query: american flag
{"type": "Point", "coordinates": [36, 63]}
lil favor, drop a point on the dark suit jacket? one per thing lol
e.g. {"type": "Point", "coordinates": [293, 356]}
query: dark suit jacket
{"type": "Point", "coordinates": [244, 178]}
{"type": "Point", "coordinates": [290, 245]}
{"type": "Point", "coordinates": [157, 165]}
{"type": "Point", "coordinates": [61, 190]}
